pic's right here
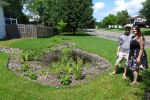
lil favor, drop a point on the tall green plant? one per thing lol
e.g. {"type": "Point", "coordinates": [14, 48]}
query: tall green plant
{"type": "Point", "coordinates": [78, 68]}
{"type": "Point", "coordinates": [61, 26]}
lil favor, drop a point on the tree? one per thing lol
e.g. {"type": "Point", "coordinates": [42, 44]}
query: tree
{"type": "Point", "coordinates": [145, 11]}
{"type": "Point", "coordinates": [109, 20]}
{"type": "Point", "coordinates": [14, 10]}
{"type": "Point", "coordinates": [76, 13]}
{"type": "Point", "coordinates": [122, 17]}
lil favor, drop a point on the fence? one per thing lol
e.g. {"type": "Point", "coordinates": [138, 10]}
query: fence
{"type": "Point", "coordinates": [28, 31]}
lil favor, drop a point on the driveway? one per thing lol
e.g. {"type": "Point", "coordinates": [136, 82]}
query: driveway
{"type": "Point", "coordinates": [112, 35]}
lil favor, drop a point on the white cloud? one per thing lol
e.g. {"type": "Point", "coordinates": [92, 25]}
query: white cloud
{"type": "Point", "coordinates": [133, 6]}
{"type": "Point", "coordinates": [98, 6]}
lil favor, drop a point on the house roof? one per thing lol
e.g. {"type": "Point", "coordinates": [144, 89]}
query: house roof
{"type": "Point", "coordinates": [135, 17]}
{"type": "Point", "coordinates": [3, 3]}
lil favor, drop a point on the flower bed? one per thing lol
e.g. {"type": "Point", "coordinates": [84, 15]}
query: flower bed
{"type": "Point", "coordinates": [60, 65]}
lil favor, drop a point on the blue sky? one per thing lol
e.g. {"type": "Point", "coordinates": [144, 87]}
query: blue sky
{"type": "Point", "coordinates": [104, 7]}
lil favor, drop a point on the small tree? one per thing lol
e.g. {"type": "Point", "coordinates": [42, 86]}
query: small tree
{"type": "Point", "coordinates": [61, 26]}
{"type": "Point", "coordinates": [109, 20]}
{"type": "Point", "coordinates": [77, 13]}
{"type": "Point", "coordinates": [122, 17]}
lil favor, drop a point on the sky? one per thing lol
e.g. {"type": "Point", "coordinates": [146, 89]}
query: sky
{"type": "Point", "coordinates": [103, 8]}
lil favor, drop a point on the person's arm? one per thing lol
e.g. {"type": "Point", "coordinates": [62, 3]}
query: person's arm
{"type": "Point", "coordinates": [141, 42]}
{"type": "Point", "coordinates": [118, 49]}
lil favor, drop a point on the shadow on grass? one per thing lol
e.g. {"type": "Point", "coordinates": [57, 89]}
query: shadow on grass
{"type": "Point", "coordinates": [77, 34]}
{"type": "Point", "coordinates": [6, 39]}
{"type": "Point", "coordinates": [130, 74]}
{"type": "Point", "coordinates": [146, 83]}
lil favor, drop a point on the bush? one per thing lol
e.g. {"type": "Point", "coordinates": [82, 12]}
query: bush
{"type": "Point", "coordinates": [67, 66]}
{"type": "Point", "coordinates": [56, 41]}
{"type": "Point", "coordinates": [66, 80]}
{"type": "Point", "coordinates": [24, 56]}
{"type": "Point", "coordinates": [61, 26]}
{"type": "Point", "coordinates": [25, 67]}
{"type": "Point", "coordinates": [78, 68]}
{"type": "Point", "coordinates": [31, 75]}
{"type": "Point", "coordinates": [28, 55]}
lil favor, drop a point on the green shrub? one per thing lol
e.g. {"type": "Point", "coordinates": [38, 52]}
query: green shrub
{"type": "Point", "coordinates": [45, 71]}
{"type": "Point", "coordinates": [25, 67]}
{"type": "Point", "coordinates": [78, 68]}
{"type": "Point", "coordinates": [61, 26]}
{"type": "Point", "coordinates": [67, 65]}
{"type": "Point", "coordinates": [31, 75]}
{"type": "Point", "coordinates": [56, 41]}
{"type": "Point", "coordinates": [66, 80]}
{"type": "Point", "coordinates": [24, 56]}
{"type": "Point", "coordinates": [78, 74]}
{"type": "Point", "coordinates": [29, 55]}
{"type": "Point", "coordinates": [66, 52]}
{"type": "Point", "coordinates": [56, 68]}
{"type": "Point", "coordinates": [27, 74]}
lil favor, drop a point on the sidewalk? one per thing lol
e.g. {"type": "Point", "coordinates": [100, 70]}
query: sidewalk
{"type": "Point", "coordinates": [114, 36]}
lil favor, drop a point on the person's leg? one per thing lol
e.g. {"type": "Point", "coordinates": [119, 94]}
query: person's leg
{"type": "Point", "coordinates": [116, 69]}
{"type": "Point", "coordinates": [125, 72]}
{"type": "Point", "coordinates": [125, 68]}
{"type": "Point", "coordinates": [135, 77]}
{"type": "Point", "coordinates": [119, 59]}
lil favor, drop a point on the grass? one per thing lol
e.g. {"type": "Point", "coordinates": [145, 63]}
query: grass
{"type": "Point", "coordinates": [145, 31]}
{"type": "Point", "coordinates": [103, 87]}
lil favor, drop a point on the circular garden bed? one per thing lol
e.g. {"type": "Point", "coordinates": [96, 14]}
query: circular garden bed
{"type": "Point", "coordinates": [59, 65]}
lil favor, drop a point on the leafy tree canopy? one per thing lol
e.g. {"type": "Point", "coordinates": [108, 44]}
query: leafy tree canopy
{"type": "Point", "coordinates": [145, 11]}
{"type": "Point", "coordinates": [76, 13]}
{"type": "Point", "coordinates": [14, 10]}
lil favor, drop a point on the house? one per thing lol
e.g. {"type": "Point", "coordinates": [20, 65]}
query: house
{"type": "Point", "coordinates": [11, 21]}
{"type": "Point", "coordinates": [2, 20]}
{"type": "Point", "coordinates": [137, 20]}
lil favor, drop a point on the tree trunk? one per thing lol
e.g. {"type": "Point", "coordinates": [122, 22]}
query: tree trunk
{"type": "Point", "coordinates": [74, 31]}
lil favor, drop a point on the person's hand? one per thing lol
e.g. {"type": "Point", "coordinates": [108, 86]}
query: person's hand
{"type": "Point", "coordinates": [138, 60]}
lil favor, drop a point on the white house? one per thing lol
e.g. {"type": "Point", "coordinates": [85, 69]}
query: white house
{"type": "Point", "coordinates": [137, 20]}
{"type": "Point", "coordinates": [2, 20]}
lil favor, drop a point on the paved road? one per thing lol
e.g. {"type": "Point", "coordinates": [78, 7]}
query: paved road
{"type": "Point", "coordinates": [112, 35]}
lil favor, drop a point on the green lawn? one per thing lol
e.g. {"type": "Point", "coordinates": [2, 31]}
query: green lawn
{"type": "Point", "coordinates": [103, 87]}
{"type": "Point", "coordinates": [145, 31]}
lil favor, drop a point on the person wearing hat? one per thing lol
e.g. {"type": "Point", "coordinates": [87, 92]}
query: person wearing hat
{"type": "Point", "coordinates": [123, 49]}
